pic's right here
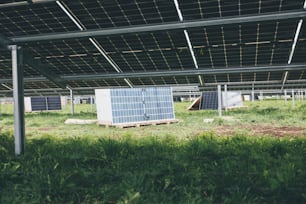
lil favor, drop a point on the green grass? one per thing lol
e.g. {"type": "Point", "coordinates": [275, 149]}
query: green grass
{"type": "Point", "coordinates": [206, 169]}
{"type": "Point", "coordinates": [179, 163]}
{"type": "Point", "coordinates": [271, 113]}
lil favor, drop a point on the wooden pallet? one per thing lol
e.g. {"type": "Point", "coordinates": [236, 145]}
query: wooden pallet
{"type": "Point", "coordinates": [139, 124]}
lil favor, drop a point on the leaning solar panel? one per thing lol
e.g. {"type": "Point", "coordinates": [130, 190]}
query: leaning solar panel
{"type": "Point", "coordinates": [38, 103]}
{"type": "Point", "coordinates": [54, 102]}
{"type": "Point", "coordinates": [42, 103]}
{"type": "Point", "coordinates": [121, 106]}
{"type": "Point", "coordinates": [209, 100]}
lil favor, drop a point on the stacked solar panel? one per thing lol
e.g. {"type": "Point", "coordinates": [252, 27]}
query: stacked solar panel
{"type": "Point", "coordinates": [134, 105]}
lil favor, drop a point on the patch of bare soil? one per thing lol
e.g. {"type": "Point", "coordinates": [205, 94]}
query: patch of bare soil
{"type": "Point", "coordinates": [260, 130]}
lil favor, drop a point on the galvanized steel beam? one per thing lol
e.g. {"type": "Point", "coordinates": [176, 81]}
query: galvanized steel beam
{"type": "Point", "coordinates": [297, 14]}
{"type": "Point", "coordinates": [4, 41]}
{"type": "Point", "coordinates": [24, 3]}
{"type": "Point", "coordinates": [190, 72]}
{"type": "Point", "coordinates": [18, 93]}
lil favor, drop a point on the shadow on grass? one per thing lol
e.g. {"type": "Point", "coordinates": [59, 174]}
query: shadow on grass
{"type": "Point", "coordinates": [154, 170]}
{"type": "Point", "coordinates": [57, 114]}
{"type": "Point", "coordinates": [52, 114]}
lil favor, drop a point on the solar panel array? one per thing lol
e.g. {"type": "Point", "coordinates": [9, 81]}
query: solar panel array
{"type": "Point", "coordinates": [242, 45]}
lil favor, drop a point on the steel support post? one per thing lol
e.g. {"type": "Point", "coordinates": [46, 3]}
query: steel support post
{"type": "Point", "coordinates": [225, 101]}
{"type": "Point", "coordinates": [261, 95]}
{"type": "Point", "coordinates": [91, 103]}
{"type": "Point", "coordinates": [71, 100]}
{"type": "Point", "coordinates": [285, 92]}
{"type": "Point", "coordinates": [252, 94]}
{"type": "Point", "coordinates": [292, 93]}
{"type": "Point", "coordinates": [18, 93]}
{"type": "Point", "coordinates": [219, 101]}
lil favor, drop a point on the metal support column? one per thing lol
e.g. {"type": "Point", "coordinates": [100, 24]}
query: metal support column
{"type": "Point", "coordinates": [285, 92]}
{"type": "Point", "coordinates": [252, 93]}
{"type": "Point", "coordinates": [18, 93]}
{"type": "Point", "coordinates": [91, 103]}
{"type": "Point", "coordinates": [261, 96]}
{"type": "Point", "coordinates": [71, 100]}
{"type": "Point", "coordinates": [225, 101]}
{"type": "Point", "coordinates": [219, 101]}
{"type": "Point", "coordinates": [292, 94]}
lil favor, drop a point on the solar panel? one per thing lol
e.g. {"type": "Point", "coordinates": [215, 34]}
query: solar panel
{"type": "Point", "coordinates": [54, 103]}
{"type": "Point", "coordinates": [38, 104]}
{"type": "Point", "coordinates": [42, 103]}
{"type": "Point", "coordinates": [120, 106]}
{"type": "Point", "coordinates": [209, 100]}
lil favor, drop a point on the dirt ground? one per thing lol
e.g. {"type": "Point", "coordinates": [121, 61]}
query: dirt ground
{"type": "Point", "coordinates": [263, 130]}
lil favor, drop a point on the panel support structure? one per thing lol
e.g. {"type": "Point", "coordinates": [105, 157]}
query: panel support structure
{"type": "Point", "coordinates": [4, 41]}
{"type": "Point", "coordinates": [91, 103]}
{"type": "Point", "coordinates": [163, 27]}
{"type": "Point", "coordinates": [180, 15]}
{"type": "Point", "coordinates": [71, 100]}
{"type": "Point", "coordinates": [24, 3]}
{"type": "Point", "coordinates": [225, 92]}
{"type": "Point", "coordinates": [18, 93]}
{"type": "Point", "coordinates": [187, 72]}
{"type": "Point", "coordinates": [252, 93]}
{"type": "Point", "coordinates": [292, 94]}
{"type": "Point", "coordinates": [219, 101]}
{"type": "Point", "coordinates": [285, 92]}
{"type": "Point", "coordinates": [295, 40]}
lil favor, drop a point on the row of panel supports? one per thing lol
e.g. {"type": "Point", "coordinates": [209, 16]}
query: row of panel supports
{"type": "Point", "coordinates": [295, 94]}
{"type": "Point", "coordinates": [298, 95]}
{"type": "Point", "coordinates": [18, 93]}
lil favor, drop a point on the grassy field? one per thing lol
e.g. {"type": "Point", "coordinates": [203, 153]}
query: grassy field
{"type": "Point", "coordinates": [261, 113]}
{"type": "Point", "coordinates": [188, 162]}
